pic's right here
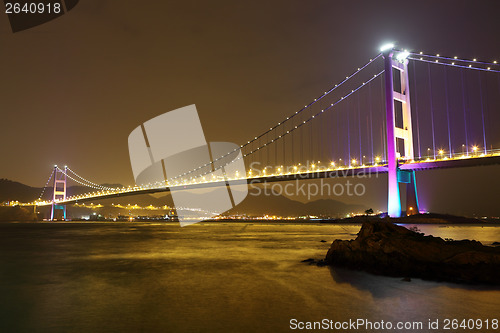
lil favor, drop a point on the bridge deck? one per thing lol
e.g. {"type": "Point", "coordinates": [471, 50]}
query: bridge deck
{"type": "Point", "coordinates": [332, 173]}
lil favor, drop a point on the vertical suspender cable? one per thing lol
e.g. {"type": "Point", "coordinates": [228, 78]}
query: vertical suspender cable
{"type": "Point", "coordinates": [321, 142]}
{"type": "Point", "coordinates": [260, 150]}
{"type": "Point", "coordinates": [348, 132]}
{"type": "Point", "coordinates": [359, 130]}
{"type": "Point", "coordinates": [371, 118]}
{"type": "Point", "coordinates": [301, 142]}
{"type": "Point", "coordinates": [482, 110]}
{"type": "Point", "coordinates": [447, 110]}
{"type": "Point", "coordinates": [338, 146]}
{"type": "Point", "coordinates": [275, 147]}
{"type": "Point", "coordinates": [293, 140]}
{"type": "Point", "coordinates": [465, 115]}
{"type": "Point", "coordinates": [268, 159]}
{"type": "Point", "coordinates": [283, 145]}
{"type": "Point", "coordinates": [432, 112]}
{"type": "Point", "coordinates": [416, 108]}
{"type": "Point", "coordinates": [488, 117]}
{"type": "Point", "coordinates": [311, 146]}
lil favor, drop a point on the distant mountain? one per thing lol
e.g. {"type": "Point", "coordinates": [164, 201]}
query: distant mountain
{"type": "Point", "coordinates": [279, 205]}
{"type": "Point", "coordinates": [10, 191]}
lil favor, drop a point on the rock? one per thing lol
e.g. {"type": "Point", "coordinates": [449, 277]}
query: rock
{"type": "Point", "coordinates": [319, 263]}
{"type": "Point", "coordinates": [382, 247]}
{"type": "Point", "coordinates": [496, 243]}
{"type": "Point", "coordinates": [406, 279]}
{"type": "Point", "coordinates": [323, 241]}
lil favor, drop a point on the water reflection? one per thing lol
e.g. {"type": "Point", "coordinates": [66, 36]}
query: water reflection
{"type": "Point", "coordinates": [382, 286]}
{"type": "Point", "coordinates": [209, 277]}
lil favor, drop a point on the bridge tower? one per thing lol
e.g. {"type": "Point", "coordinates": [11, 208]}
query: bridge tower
{"type": "Point", "coordinates": [399, 132]}
{"type": "Point", "coordinates": [59, 191]}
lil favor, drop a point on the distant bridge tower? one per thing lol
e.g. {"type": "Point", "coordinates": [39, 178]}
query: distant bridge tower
{"type": "Point", "coordinates": [399, 132]}
{"type": "Point", "coordinates": [59, 191]}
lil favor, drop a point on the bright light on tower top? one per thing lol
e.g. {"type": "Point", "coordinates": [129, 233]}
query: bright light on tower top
{"type": "Point", "coordinates": [386, 47]}
{"type": "Point", "coordinates": [402, 55]}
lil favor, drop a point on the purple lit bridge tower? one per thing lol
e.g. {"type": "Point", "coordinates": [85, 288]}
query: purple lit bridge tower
{"type": "Point", "coordinates": [399, 135]}
{"type": "Point", "coordinates": [59, 193]}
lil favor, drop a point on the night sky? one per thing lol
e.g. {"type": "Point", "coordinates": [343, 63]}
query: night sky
{"type": "Point", "coordinates": [74, 88]}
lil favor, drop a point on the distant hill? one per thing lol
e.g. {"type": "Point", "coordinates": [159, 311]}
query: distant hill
{"type": "Point", "coordinates": [253, 205]}
{"type": "Point", "coordinates": [283, 206]}
{"type": "Point", "coordinates": [10, 190]}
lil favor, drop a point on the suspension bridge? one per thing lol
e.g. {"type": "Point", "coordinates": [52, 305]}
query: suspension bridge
{"type": "Point", "coordinates": [399, 113]}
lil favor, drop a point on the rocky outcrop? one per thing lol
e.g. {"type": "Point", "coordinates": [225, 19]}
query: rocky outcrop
{"type": "Point", "coordinates": [382, 247]}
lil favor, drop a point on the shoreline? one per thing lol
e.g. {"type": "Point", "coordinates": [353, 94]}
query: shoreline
{"type": "Point", "coordinates": [270, 222]}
